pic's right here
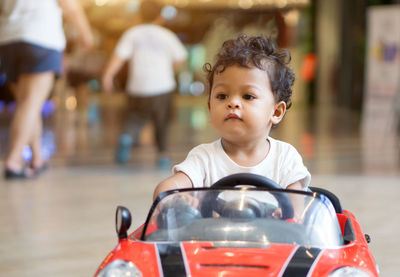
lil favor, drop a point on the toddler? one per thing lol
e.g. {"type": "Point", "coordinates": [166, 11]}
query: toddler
{"type": "Point", "coordinates": [250, 89]}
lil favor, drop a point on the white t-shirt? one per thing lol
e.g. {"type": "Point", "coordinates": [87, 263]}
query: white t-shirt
{"type": "Point", "coordinates": [38, 22]}
{"type": "Point", "coordinates": [207, 163]}
{"type": "Point", "coordinates": [151, 51]}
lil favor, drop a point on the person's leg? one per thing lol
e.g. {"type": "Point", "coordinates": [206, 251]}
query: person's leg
{"type": "Point", "coordinates": [162, 106]}
{"type": "Point", "coordinates": [36, 144]}
{"type": "Point", "coordinates": [31, 92]}
{"type": "Point", "coordinates": [138, 114]}
{"type": "Point", "coordinates": [134, 120]}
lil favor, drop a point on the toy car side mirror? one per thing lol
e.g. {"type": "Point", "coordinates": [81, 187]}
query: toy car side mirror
{"type": "Point", "coordinates": [122, 222]}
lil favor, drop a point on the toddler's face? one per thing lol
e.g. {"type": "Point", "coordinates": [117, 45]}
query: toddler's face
{"type": "Point", "coordinates": [242, 106]}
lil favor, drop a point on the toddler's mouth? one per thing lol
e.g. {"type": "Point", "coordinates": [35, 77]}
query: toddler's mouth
{"type": "Point", "coordinates": [232, 116]}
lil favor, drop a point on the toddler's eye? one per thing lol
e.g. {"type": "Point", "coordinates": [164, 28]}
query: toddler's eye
{"type": "Point", "coordinates": [221, 96]}
{"type": "Point", "coordinates": [248, 97]}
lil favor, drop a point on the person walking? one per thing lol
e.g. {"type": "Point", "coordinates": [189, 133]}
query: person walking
{"type": "Point", "coordinates": [153, 53]}
{"type": "Point", "coordinates": [31, 48]}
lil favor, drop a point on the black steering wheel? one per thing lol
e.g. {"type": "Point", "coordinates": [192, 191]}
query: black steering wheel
{"type": "Point", "coordinates": [249, 179]}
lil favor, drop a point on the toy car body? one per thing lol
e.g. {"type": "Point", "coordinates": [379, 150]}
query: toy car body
{"type": "Point", "coordinates": [227, 230]}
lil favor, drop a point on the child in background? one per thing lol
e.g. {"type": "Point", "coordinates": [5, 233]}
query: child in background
{"type": "Point", "coordinates": [153, 53]}
{"type": "Point", "coordinates": [250, 89]}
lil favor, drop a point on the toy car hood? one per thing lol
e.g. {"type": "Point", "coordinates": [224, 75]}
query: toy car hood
{"type": "Point", "coordinates": [236, 232]}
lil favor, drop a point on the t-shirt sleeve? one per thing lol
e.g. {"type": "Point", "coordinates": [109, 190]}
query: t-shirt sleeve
{"type": "Point", "coordinates": [294, 169]}
{"type": "Point", "coordinates": [193, 166]}
{"type": "Point", "coordinates": [124, 48]}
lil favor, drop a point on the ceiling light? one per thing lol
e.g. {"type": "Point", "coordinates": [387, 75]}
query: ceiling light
{"type": "Point", "coordinates": [245, 4]}
{"type": "Point", "coordinates": [101, 2]}
{"type": "Point", "coordinates": [169, 12]}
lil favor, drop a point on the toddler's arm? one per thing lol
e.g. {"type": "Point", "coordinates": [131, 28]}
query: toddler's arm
{"type": "Point", "coordinates": [297, 201]}
{"type": "Point", "coordinates": [295, 186]}
{"type": "Point", "coordinates": [177, 181]}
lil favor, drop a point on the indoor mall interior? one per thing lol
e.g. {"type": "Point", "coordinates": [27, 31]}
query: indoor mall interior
{"type": "Point", "coordinates": [345, 123]}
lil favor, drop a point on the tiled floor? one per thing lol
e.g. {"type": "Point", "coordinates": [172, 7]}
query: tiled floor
{"type": "Point", "coordinates": [62, 224]}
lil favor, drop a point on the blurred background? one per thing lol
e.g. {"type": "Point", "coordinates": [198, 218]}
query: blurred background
{"type": "Point", "coordinates": [344, 121]}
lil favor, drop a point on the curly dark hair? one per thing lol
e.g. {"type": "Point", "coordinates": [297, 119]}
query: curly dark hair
{"type": "Point", "coordinates": [262, 53]}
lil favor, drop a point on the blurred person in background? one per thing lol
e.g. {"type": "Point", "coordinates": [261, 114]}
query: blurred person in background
{"type": "Point", "coordinates": [153, 53]}
{"type": "Point", "coordinates": [31, 48]}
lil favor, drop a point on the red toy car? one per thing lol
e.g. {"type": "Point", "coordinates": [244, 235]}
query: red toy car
{"type": "Point", "coordinates": [242, 226]}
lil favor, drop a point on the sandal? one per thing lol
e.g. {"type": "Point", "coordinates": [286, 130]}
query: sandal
{"type": "Point", "coordinates": [10, 174]}
{"type": "Point", "coordinates": [39, 169]}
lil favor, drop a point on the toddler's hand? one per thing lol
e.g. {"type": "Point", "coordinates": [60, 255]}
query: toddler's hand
{"type": "Point", "coordinates": [186, 199]}
{"type": "Point", "coordinates": [277, 214]}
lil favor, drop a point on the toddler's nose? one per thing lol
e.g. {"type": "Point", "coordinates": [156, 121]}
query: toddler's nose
{"type": "Point", "coordinates": [234, 103]}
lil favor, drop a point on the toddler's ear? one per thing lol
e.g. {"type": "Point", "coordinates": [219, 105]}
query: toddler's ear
{"type": "Point", "coordinates": [279, 112]}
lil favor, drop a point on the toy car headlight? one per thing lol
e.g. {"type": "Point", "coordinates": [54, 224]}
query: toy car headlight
{"type": "Point", "coordinates": [120, 268]}
{"type": "Point", "coordinates": [348, 271]}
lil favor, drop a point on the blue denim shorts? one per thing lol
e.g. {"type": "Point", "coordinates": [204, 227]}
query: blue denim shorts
{"type": "Point", "coordinates": [18, 58]}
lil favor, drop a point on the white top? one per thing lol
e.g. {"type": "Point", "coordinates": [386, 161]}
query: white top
{"type": "Point", "coordinates": [34, 21]}
{"type": "Point", "coordinates": [207, 163]}
{"type": "Point", "coordinates": [151, 51]}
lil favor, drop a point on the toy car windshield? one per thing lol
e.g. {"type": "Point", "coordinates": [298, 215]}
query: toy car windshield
{"type": "Point", "coordinates": [244, 215]}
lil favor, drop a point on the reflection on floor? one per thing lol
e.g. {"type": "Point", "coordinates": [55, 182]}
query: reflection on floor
{"type": "Point", "coordinates": [62, 224]}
